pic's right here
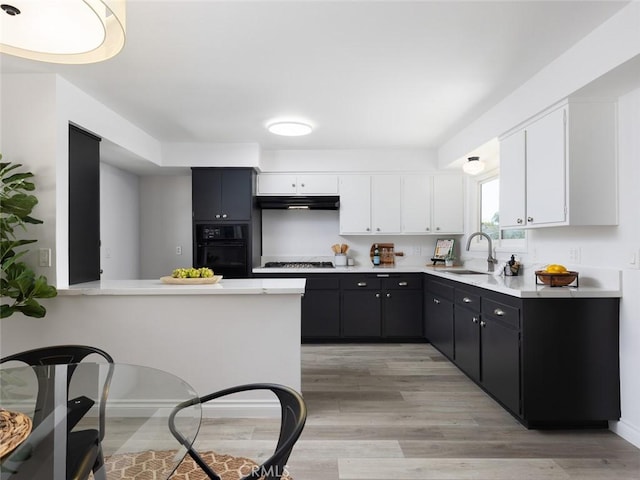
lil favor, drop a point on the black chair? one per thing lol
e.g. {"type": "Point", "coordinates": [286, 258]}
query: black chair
{"type": "Point", "coordinates": [292, 419]}
{"type": "Point", "coordinates": [84, 447]}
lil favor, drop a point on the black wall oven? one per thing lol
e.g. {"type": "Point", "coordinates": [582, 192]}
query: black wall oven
{"type": "Point", "coordinates": [224, 248]}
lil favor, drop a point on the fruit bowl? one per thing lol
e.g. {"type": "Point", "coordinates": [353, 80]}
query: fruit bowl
{"type": "Point", "coordinates": [557, 279]}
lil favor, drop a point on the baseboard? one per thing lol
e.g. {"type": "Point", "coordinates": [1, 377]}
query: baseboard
{"type": "Point", "coordinates": [629, 432]}
{"type": "Point", "coordinates": [241, 409]}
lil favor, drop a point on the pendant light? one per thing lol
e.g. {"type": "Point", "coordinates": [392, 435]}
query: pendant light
{"type": "Point", "coordinates": [63, 31]}
{"type": "Point", "coordinates": [473, 166]}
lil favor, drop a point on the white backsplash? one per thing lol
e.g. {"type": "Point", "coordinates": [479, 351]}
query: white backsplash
{"type": "Point", "coordinates": [301, 235]}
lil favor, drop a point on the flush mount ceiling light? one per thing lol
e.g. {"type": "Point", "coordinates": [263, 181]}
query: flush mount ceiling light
{"type": "Point", "coordinates": [63, 31]}
{"type": "Point", "coordinates": [290, 129]}
{"type": "Point", "coordinates": [473, 166]}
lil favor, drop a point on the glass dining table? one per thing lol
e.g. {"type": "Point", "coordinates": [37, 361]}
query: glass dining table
{"type": "Point", "coordinates": [43, 407]}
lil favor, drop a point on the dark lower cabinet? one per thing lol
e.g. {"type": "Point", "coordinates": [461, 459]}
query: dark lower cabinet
{"type": "Point", "coordinates": [438, 318]}
{"type": "Point", "coordinates": [361, 313]}
{"type": "Point", "coordinates": [403, 313]}
{"type": "Point", "coordinates": [385, 307]}
{"type": "Point", "coordinates": [551, 362]}
{"type": "Point", "coordinates": [321, 309]}
{"type": "Point", "coordinates": [467, 341]}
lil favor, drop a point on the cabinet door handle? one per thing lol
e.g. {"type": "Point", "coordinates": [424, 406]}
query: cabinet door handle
{"type": "Point", "coordinates": [302, 185]}
{"type": "Point", "coordinates": [519, 221]}
{"type": "Point", "coordinates": [474, 319]}
{"type": "Point", "coordinates": [403, 284]}
{"type": "Point", "coordinates": [293, 185]}
{"type": "Point", "coordinates": [499, 312]}
{"type": "Point", "coordinates": [529, 219]}
{"type": "Point", "coordinates": [367, 229]}
{"type": "Point", "coordinates": [437, 228]}
{"type": "Point", "coordinates": [224, 215]}
{"type": "Point", "coordinates": [377, 295]}
{"type": "Point", "coordinates": [466, 300]}
{"type": "Point", "coordinates": [427, 229]}
{"type": "Point", "coordinates": [378, 229]}
{"type": "Point", "coordinates": [362, 284]}
{"type": "Point", "coordinates": [388, 295]}
{"type": "Point", "coordinates": [483, 324]}
{"type": "Point", "coordinates": [435, 300]}
{"type": "Point", "coordinates": [218, 215]}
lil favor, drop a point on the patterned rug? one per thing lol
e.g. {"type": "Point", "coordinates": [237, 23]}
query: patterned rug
{"type": "Point", "coordinates": [149, 465]}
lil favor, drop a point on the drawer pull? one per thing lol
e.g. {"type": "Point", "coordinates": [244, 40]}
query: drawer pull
{"type": "Point", "coordinates": [403, 284]}
{"type": "Point", "coordinates": [499, 312]}
{"type": "Point", "coordinates": [466, 300]}
{"type": "Point", "coordinates": [483, 324]}
{"type": "Point", "coordinates": [382, 275]}
{"type": "Point", "coordinates": [388, 295]}
{"type": "Point", "coordinates": [474, 319]}
{"type": "Point", "coordinates": [377, 295]}
{"type": "Point", "coordinates": [362, 284]}
{"type": "Point", "coordinates": [435, 300]}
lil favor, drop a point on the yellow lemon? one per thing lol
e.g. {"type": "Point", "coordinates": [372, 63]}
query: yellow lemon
{"type": "Point", "coordinates": [555, 268]}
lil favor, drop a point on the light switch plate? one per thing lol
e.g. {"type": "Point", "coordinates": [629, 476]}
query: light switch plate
{"type": "Point", "coordinates": [44, 257]}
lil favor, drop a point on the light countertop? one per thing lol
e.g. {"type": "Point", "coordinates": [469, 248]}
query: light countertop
{"type": "Point", "coordinates": [249, 286]}
{"type": "Point", "coordinates": [593, 282]}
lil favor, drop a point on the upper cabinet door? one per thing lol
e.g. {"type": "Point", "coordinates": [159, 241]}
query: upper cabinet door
{"type": "Point", "coordinates": [221, 193]}
{"type": "Point", "coordinates": [297, 184]}
{"type": "Point", "coordinates": [385, 202]}
{"type": "Point", "coordinates": [512, 180]}
{"type": "Point", "coordinates": [355, 204]}
{"type": "Point", "coordinates": [546, 169]}
{"type": "Point", "coordinates": [277, 184]}
{"type": "Point", "coordinates": [416, 204]}
{"type": "Point", "coordinates": [317, 184]}
{"type": "Point", "coordinates": [448, 204]}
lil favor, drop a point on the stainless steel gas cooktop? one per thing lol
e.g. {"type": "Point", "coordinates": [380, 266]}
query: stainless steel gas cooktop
{"type": "Point", "coordinates": [298, 265]}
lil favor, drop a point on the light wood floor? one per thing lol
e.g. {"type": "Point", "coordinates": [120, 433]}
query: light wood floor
{"type": "Point", "coordinates": [396, 412]}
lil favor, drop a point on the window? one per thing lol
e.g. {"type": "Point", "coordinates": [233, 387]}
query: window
{"type": "Point", "coordinates": [489, 215]}
{"type": "Point", "coordinates": [490, 207]}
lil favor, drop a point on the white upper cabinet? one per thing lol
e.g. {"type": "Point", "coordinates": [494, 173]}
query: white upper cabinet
{"type": "Point", "coordinates": [561, 168]}
{"type": "Point", "coordinates": [355, 204]}
{"type": "Point", "coordinates": [416, 204]}
{"type": "Point", "coordinates": [401, 204]}
{"type": "Point", "coordinates": [432, 204]}
{"type": "Point", "coordinates": [447, 204]}
{"type": "Point", "coordinates": [385, 203]}
{"type": "Point", "coordinates": [297, 184]}
{"type": "Point", "coordinates": [512, 180]}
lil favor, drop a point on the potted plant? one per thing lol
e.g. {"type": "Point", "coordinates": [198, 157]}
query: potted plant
{"type": "Point", "coordinates": [19, 285]}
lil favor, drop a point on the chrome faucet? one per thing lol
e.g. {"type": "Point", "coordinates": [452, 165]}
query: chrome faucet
{"type": "Point", "coordinates": [491, 261]}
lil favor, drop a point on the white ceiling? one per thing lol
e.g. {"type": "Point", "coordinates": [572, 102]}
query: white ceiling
{"type": "Point", "coordinates": [380, 74]}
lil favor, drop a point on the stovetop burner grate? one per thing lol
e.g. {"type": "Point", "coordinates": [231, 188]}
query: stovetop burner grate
{"type": "Point", "coordinates": [298, 265]}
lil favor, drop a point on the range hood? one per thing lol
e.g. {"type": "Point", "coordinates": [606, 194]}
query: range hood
{"type": "Point", "coordinates": [298, 202]}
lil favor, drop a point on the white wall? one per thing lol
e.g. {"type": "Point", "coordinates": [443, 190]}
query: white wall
{"type": "Point", "coordinates": [119, 224]}
{"type": "Point", "coordinates": [165, 223]}
{"type": "Point", "coordinates": [611, 44]}
{"type": "Point", "coordinates": [355, 160]}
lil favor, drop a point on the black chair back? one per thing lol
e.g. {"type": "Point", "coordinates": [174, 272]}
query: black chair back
{"type": "Point", "coordinates": [293, 415]}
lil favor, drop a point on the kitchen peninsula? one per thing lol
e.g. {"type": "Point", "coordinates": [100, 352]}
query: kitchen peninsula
{"type": "Point", "coordinates": [212, 336]}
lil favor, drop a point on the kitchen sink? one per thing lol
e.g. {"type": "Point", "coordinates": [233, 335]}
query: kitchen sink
{"type": "Point", "coordinates": [467, 272]}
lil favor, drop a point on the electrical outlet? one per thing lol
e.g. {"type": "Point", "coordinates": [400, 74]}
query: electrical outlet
{"type": "Point", "coordinates": [574, 255]}
{"type": "Point", "coordinates": [416, 250]}
{"type": "Point", "coordinates": [178, 250]}
{"type": "Point", "coordinates": [44, 257]}
{"type": "Point", "coordinates": [634, 259]}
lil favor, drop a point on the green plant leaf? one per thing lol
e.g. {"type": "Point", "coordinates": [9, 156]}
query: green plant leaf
{"type": "Point", "coordinates": [31, 308]}
{"type": "Point", "coordinates": [18, 281]}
